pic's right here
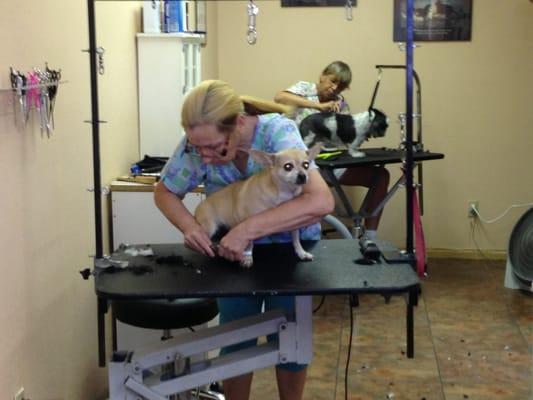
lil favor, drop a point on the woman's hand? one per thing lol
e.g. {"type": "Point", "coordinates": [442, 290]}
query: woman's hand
{"type": "Point", "coordinates": [233, 244]}
{"type": "Point", "coordinates": [330, 106]}
{"type": "Point", "coordinates": [196, 238]}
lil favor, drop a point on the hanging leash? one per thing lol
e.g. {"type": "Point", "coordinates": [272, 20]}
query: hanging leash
{"type": "Point", "coordinates": [376, 88]}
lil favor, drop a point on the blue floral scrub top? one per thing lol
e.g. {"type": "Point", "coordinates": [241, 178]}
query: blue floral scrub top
{"type": "Point", "coordinates": [184, 171]}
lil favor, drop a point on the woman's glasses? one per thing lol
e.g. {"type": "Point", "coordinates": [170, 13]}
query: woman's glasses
{"type": "Point", "coordinates": [210, 149]}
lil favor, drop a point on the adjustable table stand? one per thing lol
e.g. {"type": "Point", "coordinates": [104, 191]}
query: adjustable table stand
{"type": "Point", "coordinates": [374, 156]}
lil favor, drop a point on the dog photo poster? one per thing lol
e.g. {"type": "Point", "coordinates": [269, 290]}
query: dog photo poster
{"type": "Point", "coordinates": [435, 20]}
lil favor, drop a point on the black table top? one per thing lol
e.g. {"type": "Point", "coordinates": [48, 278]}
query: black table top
{"type": "Point", "coordinates": [177, 272]}
{"type": "Point", "coordinates": [375, 156]}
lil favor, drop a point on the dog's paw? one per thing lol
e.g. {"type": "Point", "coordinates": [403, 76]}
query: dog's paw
{"type": "Point", "coordinates": [305, 256]}
{"type": "Point", "coordinates": [247, 261]}
{"type": "Point", "coordinates": [356, 154]}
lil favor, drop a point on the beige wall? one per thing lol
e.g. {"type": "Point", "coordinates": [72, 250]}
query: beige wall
{"type": "Point", "coordinates": [477, 100]}
{"type": "Point", "coordinates": [48, 317]}
{"type": "Point", "coordinates": [48, 343]}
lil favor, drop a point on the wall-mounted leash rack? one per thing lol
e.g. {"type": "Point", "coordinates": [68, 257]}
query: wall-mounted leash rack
{"type": "Point", "coordinates": [35, 90]}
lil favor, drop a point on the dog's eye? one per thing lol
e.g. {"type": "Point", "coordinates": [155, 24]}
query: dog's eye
{"type": "Point", "coordinates": [305, 164]}
{"type": "Point", "coordinates": [288, 167]}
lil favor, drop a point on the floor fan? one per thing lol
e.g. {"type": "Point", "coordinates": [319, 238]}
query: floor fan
{"type": "Point", "coordinates": [519, 269]}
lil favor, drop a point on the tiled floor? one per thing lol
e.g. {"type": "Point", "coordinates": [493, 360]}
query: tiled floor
{"type": "Point", "coordinates": [473, 340]}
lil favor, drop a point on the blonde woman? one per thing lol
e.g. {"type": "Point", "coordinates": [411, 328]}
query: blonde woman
{"type": "Point", "coordinates": [218, 125]}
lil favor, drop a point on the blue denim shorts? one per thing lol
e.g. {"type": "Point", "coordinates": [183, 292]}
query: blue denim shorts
{"type": "Point", "coordinates": [233, 308]}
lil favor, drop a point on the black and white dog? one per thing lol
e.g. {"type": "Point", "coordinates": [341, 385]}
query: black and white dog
{"type": "Point", "coordinates": [343, 130]}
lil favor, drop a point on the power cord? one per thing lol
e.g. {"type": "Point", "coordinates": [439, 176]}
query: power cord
{"type": "Point", "coordinates": [320, 304]}
{"type": "Point", "coordinates": [490, 221]}
{"type": "Point", "coordinates": [353, 302]}
{"type": "Point", "coordinates": [473, 224]}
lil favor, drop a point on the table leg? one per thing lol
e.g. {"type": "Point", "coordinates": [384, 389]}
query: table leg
{"type": "Point", "coordinates": [101, 310]}
{"type": "Point", "coordinates": [412, 300]}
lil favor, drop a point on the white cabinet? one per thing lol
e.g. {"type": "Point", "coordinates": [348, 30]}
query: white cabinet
{"type": "Point", "coordinates": [169, 65]}
{"type": "Point", "coordinates": [137, 220]}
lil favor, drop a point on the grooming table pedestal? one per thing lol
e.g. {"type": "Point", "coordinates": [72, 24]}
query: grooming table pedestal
{"type": "Point", "coordinates": [130, 372]}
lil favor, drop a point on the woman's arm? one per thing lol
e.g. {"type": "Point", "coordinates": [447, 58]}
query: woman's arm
{"type": "Point", "coordinates": [173, 209]}
{"type": "Point", "coordinates": [311, 206]}
{"type": "Point", "coordinates": [296, 100]}
{"type": "Point", "coordinates": [292, 99]}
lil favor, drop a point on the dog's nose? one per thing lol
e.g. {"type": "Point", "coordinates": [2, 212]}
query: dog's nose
{"type": "Point", "coordinates": [301, 178]}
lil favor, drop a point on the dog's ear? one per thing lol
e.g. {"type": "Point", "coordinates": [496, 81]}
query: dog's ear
{"type": "Point", "coordinates": [263, 158]}
{"type": "Point", "coordinates": [314, 151]}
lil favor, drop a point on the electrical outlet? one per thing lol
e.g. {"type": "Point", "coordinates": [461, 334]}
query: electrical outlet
{"type": "Point", "coordinates": [19, 395]}
{"type": "Point", "coordinates": [472, 206]}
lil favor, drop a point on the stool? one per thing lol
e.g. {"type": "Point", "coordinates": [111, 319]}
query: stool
{"type": "Point", "coordinates": [167, 315]}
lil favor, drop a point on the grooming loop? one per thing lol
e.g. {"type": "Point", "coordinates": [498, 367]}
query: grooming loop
{"type": "Point", "coordinates": [376, 88]}
{"type": "Point", "coordinates": [35, 90]}
{"type": "Point", "coordinates": [253, 10]}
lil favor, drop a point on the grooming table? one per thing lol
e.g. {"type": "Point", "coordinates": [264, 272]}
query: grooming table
{"type": "Point", "coordinates": [373, 156]}
{"type": "Point", "coordinates": [173, 271]}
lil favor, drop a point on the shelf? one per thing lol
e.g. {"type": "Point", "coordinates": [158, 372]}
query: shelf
{"type": "Point", "coordinates": [199, 37]}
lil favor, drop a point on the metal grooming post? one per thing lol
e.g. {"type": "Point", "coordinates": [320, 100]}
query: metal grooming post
{"type": "Point", "coordinates": [418, 115]}
{"type": "Point", "coordinates": [95, 122]}
{"type": "Point", "coordinates": [409, 128]}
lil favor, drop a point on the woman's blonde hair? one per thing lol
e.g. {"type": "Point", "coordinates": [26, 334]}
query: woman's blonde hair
{"type": "Point", "coordinates": [216, 102]}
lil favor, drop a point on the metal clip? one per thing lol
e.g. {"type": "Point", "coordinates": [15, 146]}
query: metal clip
{"type": "Point", "coordinates": [17, 84]}
{"type": "Point", "coordinates": [403, 119]}
{"type": "Point", "coordinates": [348, 10]}
{"type": "Point", "coordinates": [100, 52]}
{"type": "Point", "coordinates": [251, 35]}
{"type": "Point", "coordinates": [402, 46]}
{"type": "Point", "coordinates": [104, 190]}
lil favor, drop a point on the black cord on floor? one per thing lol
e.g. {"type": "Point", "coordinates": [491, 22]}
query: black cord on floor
{"type": "Point", "coordinates": [319, 305]}
{"type": "Point", "coordinates": [352, 303]}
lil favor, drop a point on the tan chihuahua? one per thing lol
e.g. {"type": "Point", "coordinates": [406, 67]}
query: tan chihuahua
{"type": "Point", "coordinates": [282, 179]}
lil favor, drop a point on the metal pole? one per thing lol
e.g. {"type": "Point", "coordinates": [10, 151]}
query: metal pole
{"type": "Point", "coordinates": [95, 121]}
{"type": "Point", "coordinates": [409, 127]}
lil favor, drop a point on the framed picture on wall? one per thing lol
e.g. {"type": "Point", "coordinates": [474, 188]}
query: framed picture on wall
{"type": "Point", "coordinates": [435, 20]}
{"type": "Point", "coordinates": [316, 3]}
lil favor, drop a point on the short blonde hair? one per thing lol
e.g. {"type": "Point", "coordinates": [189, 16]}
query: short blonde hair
{"type": "Point", "coordinates": [341, 71]}
{"type": "Point", "coordinates": [216, 102]}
